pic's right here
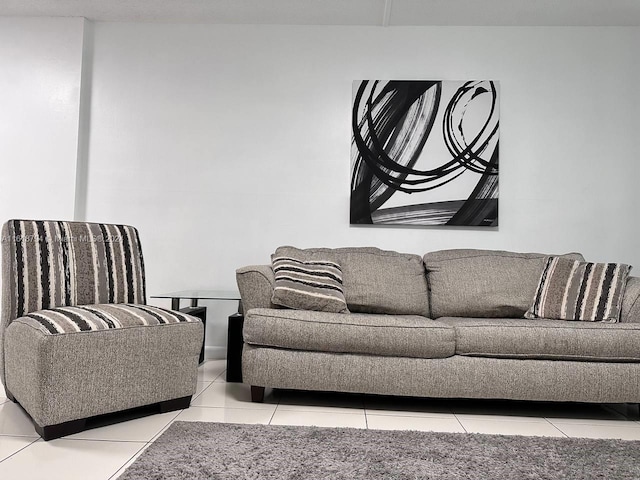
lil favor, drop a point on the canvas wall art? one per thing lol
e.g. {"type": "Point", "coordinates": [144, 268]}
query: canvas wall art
{"type": "Point", "coordinates": [425, 153]}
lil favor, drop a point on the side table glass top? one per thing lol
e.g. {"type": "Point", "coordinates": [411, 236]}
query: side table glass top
{"type": "Point", "coordinates": [195, 295]}
{"type": "Point", "coordinates": [202, 294]}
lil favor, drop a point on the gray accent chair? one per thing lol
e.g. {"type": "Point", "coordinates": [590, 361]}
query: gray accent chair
{"type": "Point", "coordinates": [448, 325]}
{"type": "Point", "coordinates": [77, 339]}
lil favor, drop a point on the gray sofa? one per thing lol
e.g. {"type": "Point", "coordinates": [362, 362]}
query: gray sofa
{"type": "Point", "coordinates": [450, 324]}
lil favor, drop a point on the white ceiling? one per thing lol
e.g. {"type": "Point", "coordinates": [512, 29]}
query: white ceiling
{"type": "Point", "coordinates": [340, 12]}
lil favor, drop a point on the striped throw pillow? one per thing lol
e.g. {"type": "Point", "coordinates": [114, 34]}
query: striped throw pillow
{"type": "Point", "coordinates": [573, 290]}
{"type": "Point", "coordinates": [308, 285]}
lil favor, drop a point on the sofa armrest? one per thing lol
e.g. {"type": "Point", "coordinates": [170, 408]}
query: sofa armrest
{"type": "Point", "coordinates": [631, 302]}
{"type": "Point", "coordinates": [255, 283]}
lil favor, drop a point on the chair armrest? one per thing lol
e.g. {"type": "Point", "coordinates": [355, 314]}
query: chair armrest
{"type": "Point", "coordinates": [255, 283]}
{"type": "Point", "coordinates": [630, 312]}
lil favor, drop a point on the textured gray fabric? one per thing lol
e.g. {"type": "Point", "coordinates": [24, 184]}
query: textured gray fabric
{"type": "Point", "coordinates": [453, 377]}
{"type": "Point", "coordinates": [63, 320]}
{"type": "Point", "coordinates": [630, 312]}
{"type": "Point", "coordinates": [375, 281]}
{"type": "Point", "coordinates": [199, 450]}
{"type": "Point", "coordinates": [398, 335]}
{"type": "Point", "coordinates": [72, 263]}
{"type": "Point", "coordinates": [47, 264]}
{"type": "Point", "coordinates": [483, 283]}
{"type": "Point", "coordinates": [546, 339]}
{"type": "Point", "coordinates": [7, 297]}
{"type": "Point", "coordinates": [255, 283]}
{"type": "Point", "coordinates": [58, 378]}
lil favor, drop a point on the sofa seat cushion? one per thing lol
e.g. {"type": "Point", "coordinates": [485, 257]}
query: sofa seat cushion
{"type": "Point", "coordinates": [85, 318]}
{"type": "Point", "coordinates": [483, 283]}
{"type": "Point", "coordinates": [390, 335]}
{"type": "Point", "coordinates": [546, 339]}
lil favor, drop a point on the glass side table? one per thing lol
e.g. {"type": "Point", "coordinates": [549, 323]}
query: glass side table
{"type": "Point", "coordinates": [195, 295]}
{"type": "Point", "coordinates": [234, 331]}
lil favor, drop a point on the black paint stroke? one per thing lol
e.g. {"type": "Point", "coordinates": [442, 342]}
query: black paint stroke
{"type": "Point", "coordinates": [389, 138]}
{"type": "Point", "coordinates": [399, 118]}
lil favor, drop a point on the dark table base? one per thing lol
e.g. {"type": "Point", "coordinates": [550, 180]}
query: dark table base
{"type": "Point", "coordinates": [234, 348]}
{"type": "Point", "coordinates": [201, 313]}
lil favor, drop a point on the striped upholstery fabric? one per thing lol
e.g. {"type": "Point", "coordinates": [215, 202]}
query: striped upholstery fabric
{"type": "Point", "coordinates": [573, 290]}
{"type": "Point", "coordinates": [87, 318]}
{"type": "Point", "coordinates": [308, 285]}
{"type": "Point", "coordinates": [52, 264]}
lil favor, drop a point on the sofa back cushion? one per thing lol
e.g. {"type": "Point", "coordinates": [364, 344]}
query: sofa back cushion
{"type": "Point", "coordinates": [375, 281]}
{"type": "Point", "coordinates": [483, 283]}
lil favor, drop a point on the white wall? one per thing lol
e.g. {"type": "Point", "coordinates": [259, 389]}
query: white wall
{"type": "Point", "coordinates": [40, 84]}
{"type": "Point", "coordinates": [40, 78]}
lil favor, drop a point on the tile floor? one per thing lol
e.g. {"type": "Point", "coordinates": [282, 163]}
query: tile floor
{"type": "Point", "coordinates": [104, 453]}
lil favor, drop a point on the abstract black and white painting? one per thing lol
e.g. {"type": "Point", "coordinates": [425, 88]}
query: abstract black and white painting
{"type": "Point", "coordinates": [425, 153]}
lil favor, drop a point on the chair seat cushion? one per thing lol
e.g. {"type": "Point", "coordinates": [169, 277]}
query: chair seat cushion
{"type": "Point", "coordinates": [546, 339]}
{"type": "Point", "coordinates": [84, 318]}
{"type": "Point", "coordinates": [391, 335]}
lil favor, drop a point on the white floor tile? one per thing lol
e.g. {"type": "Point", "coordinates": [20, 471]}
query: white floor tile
{"type": "Point", "coordinates": [233, 395]}
{"type": "Point", "coordinates": [136, 430]}
{"type": "Point", "coordinates": [320, 402]}
{"type": "Point", "coordinates": [318, 408]}
{"type": "Point", "coordinates": [68, 460]}
{"type": "Point", "coordinates": [319, 419]}
{"type": "Point", "coordinates": [10, 445]}
{"type": "Point", "coordinates": [509, 427]}
{"type": "Point", "coordinates": [624, 432]}
{"type": "Point", "coordinates": [594, 421]}
{"type": "Point", "coordinates": [403, 422]}
{"type": "Point", "coordinates": [407, 411]}
{"type": "Point", "coordinates": [14, 421]}
{"type": "Point", "coordinates": [222, 378]}
{"type": "Point", "coordinates": [201, 387]}
{"type": "Point", "coordinates": [502, 418]}
{"type": "Point", "coordinates": [211, 369]}
{"type": "Point", "coordinates": [128, 464]}
{"type": "Point", "coordinates": [224, 415]}
{"type": "Point", "coordinates": [405, 406]}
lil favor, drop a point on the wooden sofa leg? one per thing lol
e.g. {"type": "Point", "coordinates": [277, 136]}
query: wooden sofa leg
{"type": "Point", "coordinates": [257, 394]}
{"type": "Point", "coordinates": [51, 432]}
{"type": "Point", "coordinates": [175, 404]}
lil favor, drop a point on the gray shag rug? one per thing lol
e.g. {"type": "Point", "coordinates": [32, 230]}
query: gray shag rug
{"type": "Point", "coordinates": [199, 450]}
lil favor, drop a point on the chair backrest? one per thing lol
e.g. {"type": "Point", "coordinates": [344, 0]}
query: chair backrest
{"type": "Point", "coordinates": [48, 264]}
